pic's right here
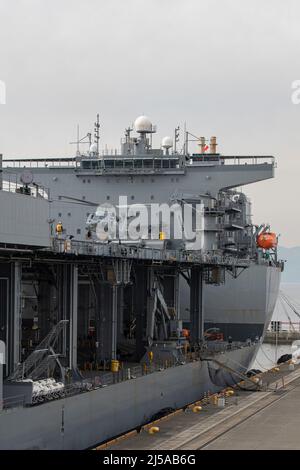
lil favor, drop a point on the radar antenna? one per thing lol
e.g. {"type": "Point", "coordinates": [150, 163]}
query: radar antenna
{"type": "Point", "coordinates": [176, 138]}
{"type": "Point", "coordinates": [96, 133]}
{"type": "Point", "coordinates": [128, 131]}
{"type": "Point", "coordinates": [79, 141]}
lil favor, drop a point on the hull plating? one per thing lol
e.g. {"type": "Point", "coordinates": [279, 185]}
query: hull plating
{"type": "Point", "coordinates": [84, 420]}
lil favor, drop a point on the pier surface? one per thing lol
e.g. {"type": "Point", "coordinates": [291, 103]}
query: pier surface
{"type": "Point", "coordinates": [265, 418]}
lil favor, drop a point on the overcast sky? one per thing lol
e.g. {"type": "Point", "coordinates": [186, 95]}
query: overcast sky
{"type": "Point", "coordinates": [224, 66]}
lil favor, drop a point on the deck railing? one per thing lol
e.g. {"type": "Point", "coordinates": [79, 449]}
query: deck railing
{"type": "Point", "coordinates": [114, 250]}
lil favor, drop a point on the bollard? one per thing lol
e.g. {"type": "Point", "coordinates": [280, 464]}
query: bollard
{"type": "Point", "coordinates": [153, 430]}
{"type": "Point", "coordinates": [214, 399]}
{"type": "Point", "coordinates": [197, 408]}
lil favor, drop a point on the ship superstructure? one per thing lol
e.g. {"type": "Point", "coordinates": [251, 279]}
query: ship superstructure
{"type": "Point", "coordinates": [171, 310]}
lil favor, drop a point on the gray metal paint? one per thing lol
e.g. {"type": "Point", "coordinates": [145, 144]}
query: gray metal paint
{"type": "Point", "coordinates": [24, 220]}
{"type": "Point", "coordinates": [84, 420]}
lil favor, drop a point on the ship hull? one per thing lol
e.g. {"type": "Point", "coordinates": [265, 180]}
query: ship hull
{"type": "Point", "coordinates": [242, 308]}
{"type": "Point", "coordinates": [86, 419]}
{"type": "Point", "coordinates": [83, 420]}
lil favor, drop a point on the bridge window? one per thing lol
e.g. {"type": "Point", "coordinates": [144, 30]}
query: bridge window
{"type": "Point", "coordinates": [86, 165]}
{"type": "Point", "coordinates": [119, 163]}
{"type": "Point", "coordinates": [138, 163]}
{"type": "Point", "coordinates": [95, 164]}
{"type": "Point", "coordinates": [148, 163]}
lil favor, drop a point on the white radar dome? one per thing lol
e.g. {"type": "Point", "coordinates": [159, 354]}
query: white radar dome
{"type": "Point", "coordinates": [167, 142]}
{"type": "Point", "coordinates": [93, 148]}
{"type": "Point", "coordinates": [143, 124]}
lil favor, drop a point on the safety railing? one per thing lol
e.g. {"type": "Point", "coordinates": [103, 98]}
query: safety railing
{"type": "Point", "coordinates": [91, 248]}
{"type": "Point", "coordinates": [127, 372]}
{"type": "Point", "coordinates": [233, 159]}
{"type": "Point", "coordinates": [284, 327]}
{"type": "Point", "coordinates": [248, 159]}
{"type": "Point", "coordinates": [11, 184]}
{"type": "Point", "coordinates": [40, 162]}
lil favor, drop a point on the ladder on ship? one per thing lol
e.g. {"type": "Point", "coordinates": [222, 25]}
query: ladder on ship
{"type": "Point", "coordinates": [39, 361]}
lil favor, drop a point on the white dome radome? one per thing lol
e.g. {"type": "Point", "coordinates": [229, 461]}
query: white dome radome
{"type": "Point", "coordinates": [167, 142]}
{"type": "Point", "coordinates": [93, 148]}
{"type": "Point", "coordinates": [143, 124]}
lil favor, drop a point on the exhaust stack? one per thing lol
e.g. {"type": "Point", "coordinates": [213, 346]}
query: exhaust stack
{"type": "Point", "coordinates": [213, 145]}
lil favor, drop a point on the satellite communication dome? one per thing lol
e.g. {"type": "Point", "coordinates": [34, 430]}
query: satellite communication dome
{"type": "Point", "coordinates": [143, 124]}
{"type": "Point", "coordinates": [26, 177]}
{"type": "Point", "coordinates": [167, 142]}
{"type": "Point", "coordinates": [93, 148]}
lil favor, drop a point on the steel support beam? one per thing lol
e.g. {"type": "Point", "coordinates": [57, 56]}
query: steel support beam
{"type": "Point", "coordinates": [73, 316]}
{"type": "Point", "coordinates": [140, 309]}
{"type": "Point", "coordinates": [196, 305]}
{"type": "Point", "coordinates": [14, 320]}
{"type": "Point", "coordinates": [2, 362]}
{"type": "Point", "coordinates": [114, 317]}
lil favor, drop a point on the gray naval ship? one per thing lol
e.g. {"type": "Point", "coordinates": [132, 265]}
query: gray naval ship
{"type": "Point", "coordinates": [100, 333]}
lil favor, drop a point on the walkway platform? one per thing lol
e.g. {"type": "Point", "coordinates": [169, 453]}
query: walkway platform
{"type": "Point", "coordinates": [267, 418]}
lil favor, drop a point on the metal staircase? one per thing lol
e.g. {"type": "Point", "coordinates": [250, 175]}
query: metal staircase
{"type": "Point", "coordinates": [40, 360]}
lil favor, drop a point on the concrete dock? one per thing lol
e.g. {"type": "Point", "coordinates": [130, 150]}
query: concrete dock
{"type": "Point", "coordinates": [264, 417]}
